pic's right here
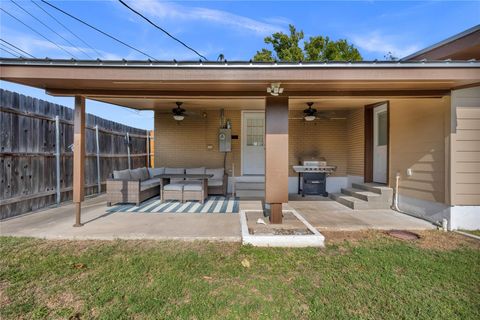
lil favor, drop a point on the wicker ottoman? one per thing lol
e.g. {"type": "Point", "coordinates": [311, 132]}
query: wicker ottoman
{"type": "Point", "coordinates": [172, 191]}
{"type": "Point", "coordinates": [195, 190]}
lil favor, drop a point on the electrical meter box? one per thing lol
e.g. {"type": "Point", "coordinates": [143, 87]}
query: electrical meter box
{"type": "Point", "coordinates": [225, 140]}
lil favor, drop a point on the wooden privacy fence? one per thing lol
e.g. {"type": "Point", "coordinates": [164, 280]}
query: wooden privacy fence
{"type": "Point", "coordinates": [36, 156]}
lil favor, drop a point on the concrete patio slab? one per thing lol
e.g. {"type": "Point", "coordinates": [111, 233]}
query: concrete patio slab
{"type": "Point", "coordinates": [56, 223]}
{"type": "Point", "coordinates": [331, 215]}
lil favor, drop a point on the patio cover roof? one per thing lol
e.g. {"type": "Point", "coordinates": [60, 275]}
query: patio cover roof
{"type": "Point", "coordinates": [124, 82]}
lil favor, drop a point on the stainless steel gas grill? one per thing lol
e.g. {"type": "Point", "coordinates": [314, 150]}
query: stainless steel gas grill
{"type": "Point", "coordinates": [312, 177]}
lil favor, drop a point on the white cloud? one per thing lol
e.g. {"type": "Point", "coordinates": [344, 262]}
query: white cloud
{"type": "Point", "coordinates": [43, 48]}
{"type": "Point", "coordinates": [165, 10]}
{"type": "Point", "coordinates": [376, 42]}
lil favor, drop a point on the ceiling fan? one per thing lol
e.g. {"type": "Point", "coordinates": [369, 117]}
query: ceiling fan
{"type": "Point", "coordinates": [310, 114]}
{"type": "Point", "coordinates": [178, 112]}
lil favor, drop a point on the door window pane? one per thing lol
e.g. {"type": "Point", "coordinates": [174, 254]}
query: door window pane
{"type": "Point", "coordinates": [382, 128]}
{"type": "Point", "coordinates": [255, 132]}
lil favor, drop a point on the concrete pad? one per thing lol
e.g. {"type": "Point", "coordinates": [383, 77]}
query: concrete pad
{"type": "Point", "coordinates": [315, 239]}
{"type": "Point", "coordinates": [331, 215]}
{"type": "Point", "coordinates": [56, 223]}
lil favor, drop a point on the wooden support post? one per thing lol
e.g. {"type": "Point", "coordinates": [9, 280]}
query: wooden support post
{"type": "Point", "coordinates": [99, 179]}
{"type": "Point", "coordinates": [79, 157]}
{"type": "Point", "coordinates": [57, 160]}
{"type": "Point", "coordinates": [148, 149]}
{"type": "Point", "coordinates": [276, 155]}
{"type": "Point", "coordinates": [128, 152]}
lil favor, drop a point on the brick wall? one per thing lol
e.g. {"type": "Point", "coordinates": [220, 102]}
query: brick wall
{"type": "Point", "coordinates": [185, 144]}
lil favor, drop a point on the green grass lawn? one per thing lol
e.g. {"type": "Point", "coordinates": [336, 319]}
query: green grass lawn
{"type": "Point", "coordinates": [373, 277]}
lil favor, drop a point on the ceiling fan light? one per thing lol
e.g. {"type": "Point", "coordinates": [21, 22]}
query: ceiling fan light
{"type": "Point", "coordinates": [178, 117]}
{"type": "Point", "coordinates": [309, 118]}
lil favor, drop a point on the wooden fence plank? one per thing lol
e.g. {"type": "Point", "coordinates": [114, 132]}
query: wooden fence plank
{"type": "Point", "coordinates": [27, 152]}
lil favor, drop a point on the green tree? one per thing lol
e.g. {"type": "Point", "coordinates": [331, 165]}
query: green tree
{"type": "Point", "coordinates": [286, 47]}
{"type": "Point", "coordinates": [317, 48]}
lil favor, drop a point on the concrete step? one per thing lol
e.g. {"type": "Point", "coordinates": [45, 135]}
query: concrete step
{"type": "Point", "coordinates": [374, 187]}
{"type": "Point", "coordinates": [363, 194]}
{"type": "Point", "coordinates": [249, 186]}
{"type": "Point", "coordinates": [250, 193]}
{"type": "Point", "coordinates": [349, 201]}
{"type": "Point", "coordinates": [358, 204]}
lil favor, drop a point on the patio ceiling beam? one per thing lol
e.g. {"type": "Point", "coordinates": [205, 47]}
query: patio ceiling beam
{"type": "Point", "coordinates": [100, 93]}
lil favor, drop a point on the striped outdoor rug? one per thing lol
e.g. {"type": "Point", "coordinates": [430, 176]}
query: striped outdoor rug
{"type": "Point", "coordinates": [211, 205]}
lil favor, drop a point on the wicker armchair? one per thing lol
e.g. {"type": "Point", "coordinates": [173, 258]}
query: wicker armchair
{"type": "Point", "coordinates": [131, 186]}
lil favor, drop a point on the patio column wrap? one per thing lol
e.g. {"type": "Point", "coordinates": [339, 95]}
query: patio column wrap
{"type": "Point", "coordinates": [276, 155]}
{"type": "Point", "coordinates": [79, 157]}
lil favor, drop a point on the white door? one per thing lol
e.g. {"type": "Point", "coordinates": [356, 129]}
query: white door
{"type": "Point", "coordinates": [380, 143]}
{"type": "Point", "coordinates": [253, 143]}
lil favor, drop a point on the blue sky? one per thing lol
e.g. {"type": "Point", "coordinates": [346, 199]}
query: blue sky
{"type": "Point", "coordinates": [233, 28]}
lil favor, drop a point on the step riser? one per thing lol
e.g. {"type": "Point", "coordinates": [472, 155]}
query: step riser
{"type": "Point", "coordinates": [364, 197]}
{"type": "Point", "coordinates": [385, 191]}
{"type": "Point", "coordinates": [249, 186]}
{"type": "Point", "coordinates": [250, 193]}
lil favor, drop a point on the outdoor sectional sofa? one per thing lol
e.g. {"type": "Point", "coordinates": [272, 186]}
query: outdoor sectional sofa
{"type": "Point", "coordinates": [137, 185]}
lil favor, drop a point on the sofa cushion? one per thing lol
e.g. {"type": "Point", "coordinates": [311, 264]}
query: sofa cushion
{"type": "Point", "coordinates": [150, 183]}
{"type": "Point", "coordinates": [215, 183]}
{"type": "Point", "coordinates": [121, 174]}
{"type": "Point", "coordinates": [173, 187]}
{"type": "Point", "coordinates": [217, 173]}
{"type": "Point", "coordinates": [192, 186]}
{"type": "Point", "coordinates": [153, 172]}
{"type": "Point", "coordinates": [174, 170]}
{"type": "Point", "coordinates": [139, 174]}
{"type": "Point", "coordinates": [200, 170]}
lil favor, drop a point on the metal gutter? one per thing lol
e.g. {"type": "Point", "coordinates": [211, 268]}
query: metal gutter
{"type": "Point", "coordinates": [237, 64]}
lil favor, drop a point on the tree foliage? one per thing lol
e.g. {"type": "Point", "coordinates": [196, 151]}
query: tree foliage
{"type": "Point", "coordinates": [318, 48]}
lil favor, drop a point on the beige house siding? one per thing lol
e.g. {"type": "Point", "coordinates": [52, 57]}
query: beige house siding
{"type": "Point", "coordinates": [417, 141]}
{"type": "Point", "coordinates": [465, 145]}
{"type": "Point", "coordinates": [319, 138]}
{"type": "Point", "coordinates": [356, 142]}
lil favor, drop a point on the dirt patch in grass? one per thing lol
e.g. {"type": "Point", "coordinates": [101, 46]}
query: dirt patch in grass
{"type": "Point", "coordinates": [439, 240]}
{"type": "Point", "coordinates": [353, 237]}
{"type": "Point", "coordinates": [429, 239]}
{"type": "Point", "coordinates": [4, 300]}
{"type": "Point", "coordinates": [64, 300]}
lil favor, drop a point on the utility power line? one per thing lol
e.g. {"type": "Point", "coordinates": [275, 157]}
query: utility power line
{"type": "Point", "coordinates": [18, 49]}
{"type": "Point", "coordinates": [48, 27]}
{"type": "Point", "coordinates": [66, 28]}
{"type": "Point", "coordinates": [41, 35]}
{"type": "Point", "coordinates": [98, 30]}
{"type": "Point", "coordinates": [163, 30]}
{"type": "Point", "coordinates": [6, 49]}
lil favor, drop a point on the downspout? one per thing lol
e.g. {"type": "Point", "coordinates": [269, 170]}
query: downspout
{"type": "Point", "coordinates": [396, 207]}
